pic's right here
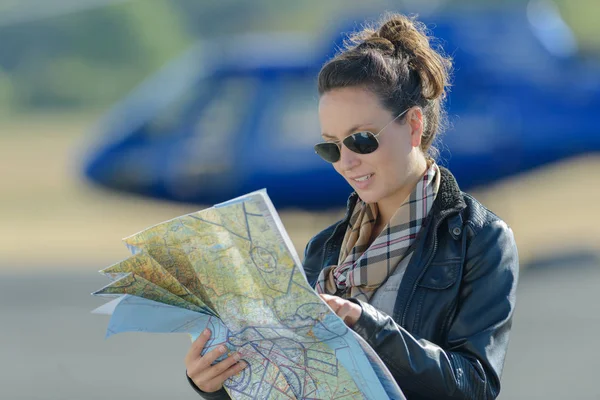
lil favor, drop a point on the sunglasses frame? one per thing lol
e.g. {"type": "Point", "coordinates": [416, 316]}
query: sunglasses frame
{"type": "Point", "coordinates": [340, 142]}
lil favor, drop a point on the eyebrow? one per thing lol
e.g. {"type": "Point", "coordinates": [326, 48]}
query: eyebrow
{"type": "Point", "coordinates": [355, 128]}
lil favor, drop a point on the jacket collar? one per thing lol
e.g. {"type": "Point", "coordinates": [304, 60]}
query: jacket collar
{"type": "Point", "coordinates": [449, 197]}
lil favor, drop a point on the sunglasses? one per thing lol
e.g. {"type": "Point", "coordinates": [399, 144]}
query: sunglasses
{"type": "Point", "coordinates": [363, 142]}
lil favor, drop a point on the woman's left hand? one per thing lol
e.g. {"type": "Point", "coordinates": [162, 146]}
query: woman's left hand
{"type": "Point", "coordinates": [348, 311]}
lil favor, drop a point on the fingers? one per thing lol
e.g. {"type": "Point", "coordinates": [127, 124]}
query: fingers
{"type": "Point", "coordinates": [327, 297]}
{"type": "Point", "coordinates": [344, 311]}
{"type": "Point", "coordinates": [219, 368]}
{"type": "Point", "coordinates": [234, 370]}
{"type": "Point", "coordinates": [197, 346]}
{"type": "Point", "coordinates": [216, 383]}
{"type": "Point", "coordinates": [209, 358]}
{"type": "Point", "coordinates": [333, 302]}
{"type": "Point", "coordinates": [231, 370]}
{"type": "Point", "coordinates": [349, 312]}
{"type": "Point", "coordinates": [200, 368]}
{"type": "Point", "coordinates": [195, 361]}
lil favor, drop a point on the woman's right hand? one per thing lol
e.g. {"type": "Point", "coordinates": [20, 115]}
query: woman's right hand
{"type": "Point", "coordinates": [207, 377]}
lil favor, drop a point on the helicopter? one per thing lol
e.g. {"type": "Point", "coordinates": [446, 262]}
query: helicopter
{"type": "Point", "coordinates": [237, 114]}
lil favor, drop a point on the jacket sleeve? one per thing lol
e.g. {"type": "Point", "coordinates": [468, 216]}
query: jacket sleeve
{"type": "Point", "coordinates": [218, 395]}
{"type": "Point", "coordinates": [470, 364]}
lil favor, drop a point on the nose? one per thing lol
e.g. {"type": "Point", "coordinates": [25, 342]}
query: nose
{"type": "Point", "coordinates": [348, 159]}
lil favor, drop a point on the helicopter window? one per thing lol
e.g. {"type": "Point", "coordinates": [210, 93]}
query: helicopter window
{"type": "Point", "coordinates": [172, 119]}
{"type": "Point", "coordinates": [293, 117]}
{"type": "Point", "coordinates": [223, 116]}
{"type": "Point", "coordinates": [208, 150]}
{"type": "Point", "coordinates": [209, 147]}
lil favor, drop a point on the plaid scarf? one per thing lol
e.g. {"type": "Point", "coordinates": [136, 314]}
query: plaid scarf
{"type": "Point", "coordinates": [362, 268]}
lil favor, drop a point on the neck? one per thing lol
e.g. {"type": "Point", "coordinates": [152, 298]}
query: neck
{"type": "Point", "coordinates": [389, 205]}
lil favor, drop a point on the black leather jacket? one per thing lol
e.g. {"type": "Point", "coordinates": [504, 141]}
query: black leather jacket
{"type": "Point", "coordinates": [448, 335]}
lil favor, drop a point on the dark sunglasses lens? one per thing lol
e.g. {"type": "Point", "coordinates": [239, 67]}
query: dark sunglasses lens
{"type": "Point", "coordinates": [329, 152]}
{"type": "Point", "coordinates": [362, 142]}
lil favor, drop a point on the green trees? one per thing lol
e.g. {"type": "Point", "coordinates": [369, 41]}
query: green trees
{"type": "Point", "coordinates": [89, 58]}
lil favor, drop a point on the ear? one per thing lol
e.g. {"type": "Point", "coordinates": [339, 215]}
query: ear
{"type": "Point", "coordinates": [415, 121]}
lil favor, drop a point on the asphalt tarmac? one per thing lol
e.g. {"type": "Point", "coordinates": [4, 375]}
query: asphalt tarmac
{"type": "Point", "coordinates": [51, 347]}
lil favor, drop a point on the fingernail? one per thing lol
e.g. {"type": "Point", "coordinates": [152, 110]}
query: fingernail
{"type": "Point", "coordinates": [237, 356]}
{"type": "Point", "coordinates": [222, 349]}
{"type": "Point", "coordinates": [243, 364]}
{"type": "Point", "coordinates": [206, 332]}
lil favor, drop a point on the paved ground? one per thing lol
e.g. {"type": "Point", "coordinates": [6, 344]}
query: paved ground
{"type": "Point", "coordinates": [555, 348]}
{"type": "Point", "coordinates": [52, 348]}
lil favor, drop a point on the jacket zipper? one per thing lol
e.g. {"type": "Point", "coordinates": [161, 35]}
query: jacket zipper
{"type": "Point", "coordinates": [326, 247]}
{"type": "Point", "coordinates": [435, 244]}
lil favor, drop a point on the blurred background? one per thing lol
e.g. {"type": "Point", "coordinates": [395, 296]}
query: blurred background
{"type": "Point", "coordinates": [117, 115]}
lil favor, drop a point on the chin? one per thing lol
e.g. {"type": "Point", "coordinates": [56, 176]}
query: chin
{"type": "Point", "coordinates": [369, 196]}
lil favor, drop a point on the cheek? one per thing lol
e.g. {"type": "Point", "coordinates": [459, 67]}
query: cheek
{"type": "Point", "coordinates": [385, 159]}
{"type": "Point", "coordinates": [337, 168]}
{"type": "Point", "coordinates": [393, 165]}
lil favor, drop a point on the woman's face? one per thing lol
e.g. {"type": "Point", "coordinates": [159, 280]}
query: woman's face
{"type": "Point", "coordinates": [385, 172]}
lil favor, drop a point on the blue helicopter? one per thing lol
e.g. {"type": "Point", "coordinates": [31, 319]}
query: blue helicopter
{"type": "Point", "coordinates": [238, 114]}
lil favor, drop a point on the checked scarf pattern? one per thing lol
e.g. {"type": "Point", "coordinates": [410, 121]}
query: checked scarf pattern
{"type": "Point", "coordinates": [362, 268]}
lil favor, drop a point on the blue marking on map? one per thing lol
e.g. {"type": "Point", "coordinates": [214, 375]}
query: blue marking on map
{"type": "Point", "coordinates": [345, 342]}
{"type": "Point", "coordinates": [136, 314]}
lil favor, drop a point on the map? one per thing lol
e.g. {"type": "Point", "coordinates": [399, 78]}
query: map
{"type": "Point", "coordinates": [232, 268]}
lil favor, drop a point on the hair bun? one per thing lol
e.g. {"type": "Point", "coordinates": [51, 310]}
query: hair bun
{"type": "Point", "coordinates": [410, 39]}
{"type": "Point", "coordinates": [378, 43]}
{"type": "Point", "coordinates": [402, 32]}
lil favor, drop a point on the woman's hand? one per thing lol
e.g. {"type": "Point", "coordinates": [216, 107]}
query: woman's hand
{"type": "Point", "coordinates": [348, 311]}
{"type": "Point", "coordinates": [208, 377]}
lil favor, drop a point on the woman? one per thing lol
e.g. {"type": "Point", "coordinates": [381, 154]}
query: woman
{"type": "Point", "coordinates": [422, 271]}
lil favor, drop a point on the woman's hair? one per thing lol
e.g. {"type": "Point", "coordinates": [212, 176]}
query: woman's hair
{"type": "Point", "coordinates": [394, 60]}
